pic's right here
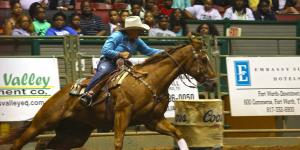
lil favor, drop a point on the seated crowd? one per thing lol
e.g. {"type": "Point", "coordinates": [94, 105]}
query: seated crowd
{"type": "Point", "coordinates": [165, 17]}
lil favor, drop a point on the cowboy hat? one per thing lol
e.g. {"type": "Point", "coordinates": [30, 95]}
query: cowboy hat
{"type": "Point", "coordinates": [134, 22]}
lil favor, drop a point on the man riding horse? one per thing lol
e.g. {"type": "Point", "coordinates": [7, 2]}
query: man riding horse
{"type": "Point", "coordinates": [121, 44]}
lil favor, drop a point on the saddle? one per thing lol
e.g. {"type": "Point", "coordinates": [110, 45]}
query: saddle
{"type": "Point", "coordinates": [113, 80]}
{"type": "Point", "coordinates": [79, 86]}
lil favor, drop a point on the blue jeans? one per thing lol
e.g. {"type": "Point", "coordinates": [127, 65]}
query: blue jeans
{"type": "Point", "coordinates": [105, 66]}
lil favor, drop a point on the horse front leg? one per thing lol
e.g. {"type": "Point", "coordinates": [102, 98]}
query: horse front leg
{"type": "Point", "coordinates": [122, 119]}
{"type": "Point", "coordinates": [163, 126]}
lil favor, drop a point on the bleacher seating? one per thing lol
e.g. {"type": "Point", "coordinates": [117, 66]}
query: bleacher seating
{"type": "Point", "coordinates": [100, 9]}
{"type": "Point", "coordinates": [288, 17]}
{"type": "Point", "coordinates": [119, 6]}
{"type": "Point", "coordinates": [4, 5]}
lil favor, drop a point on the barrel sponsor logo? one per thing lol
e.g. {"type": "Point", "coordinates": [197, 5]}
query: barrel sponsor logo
{"type": "Point", "coordinates": [211, 116]}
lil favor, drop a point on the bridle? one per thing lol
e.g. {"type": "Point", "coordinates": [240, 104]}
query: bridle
{"type": "Point", "coordinates": [196, 57]}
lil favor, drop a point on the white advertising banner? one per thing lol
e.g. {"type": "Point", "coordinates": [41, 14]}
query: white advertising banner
{"type": "Point", "coordinates": [264, 86]}
{"type": "Point", "coordinates": [25, 85]}
{"type": "Point", "coordinates": [177, 90]}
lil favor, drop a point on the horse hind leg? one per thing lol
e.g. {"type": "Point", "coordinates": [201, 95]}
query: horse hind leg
{"type": "Point", "coordinates": [163, 126]}
{"type": "Point", "coordinates": [29, 134]}
{"type": "Point", "coordinates": [43, 121]}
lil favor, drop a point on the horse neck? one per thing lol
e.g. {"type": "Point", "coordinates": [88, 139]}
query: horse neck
{"type": "Point", "coordinates": [166, 71]}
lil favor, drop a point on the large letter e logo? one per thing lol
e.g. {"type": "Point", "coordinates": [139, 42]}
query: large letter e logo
{"type": "Point", "coordinates": [242, 75]}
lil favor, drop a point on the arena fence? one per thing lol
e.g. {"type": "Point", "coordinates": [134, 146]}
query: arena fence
{"type": "Point", "coordinates": [70, 52]}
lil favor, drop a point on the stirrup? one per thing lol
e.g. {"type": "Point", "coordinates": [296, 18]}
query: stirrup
{"type": "Point", "coordinates": [86, 99]}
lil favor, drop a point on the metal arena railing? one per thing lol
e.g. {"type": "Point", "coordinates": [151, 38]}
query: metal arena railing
{"type": "Point", "coordinates": [72, 54]}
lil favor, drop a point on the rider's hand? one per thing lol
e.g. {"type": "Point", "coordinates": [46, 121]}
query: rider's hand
{"type": "Point", "coordinates": [125, 55]}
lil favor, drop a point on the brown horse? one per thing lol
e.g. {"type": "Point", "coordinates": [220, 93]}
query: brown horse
{"type": "Point", "coordinates": [134, 102]}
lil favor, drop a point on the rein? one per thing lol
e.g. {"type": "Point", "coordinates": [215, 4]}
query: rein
{"type": "Point", "coordinates": [154, 94]}
{"type": "Point", "coordinates": [183, 70]}
{"type": "Point", "coordinates": [195, 56]}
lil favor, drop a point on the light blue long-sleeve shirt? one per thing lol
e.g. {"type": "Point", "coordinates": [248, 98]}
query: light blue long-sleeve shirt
{"type": "Point", "coordinates": [118, 42]}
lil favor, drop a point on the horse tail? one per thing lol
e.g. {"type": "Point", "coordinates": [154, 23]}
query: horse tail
{"type": "Point", "coordinates": [14, 134]}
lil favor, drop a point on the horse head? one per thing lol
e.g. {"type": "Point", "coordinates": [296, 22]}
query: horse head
{"type": "Point", "coordinates": [199, 65]}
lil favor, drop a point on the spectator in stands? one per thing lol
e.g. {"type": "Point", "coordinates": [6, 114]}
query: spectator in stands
{"type": "Point", "coordinates": [89, 22]}
{"type": "Point", "coordinates": [177, 23]}
{"type": "Point", "coordinates": [149, 4]}
{"type": "Point", "coordinates": [27, 3]}
{"type": "Point", "coordinates": [59, 27]}
{"type": "Point", "coordinates": [32, 8]}
{"type": "Point", "coordinates": [121, 44]}
{"type": "Point", "coordinates": [239, 11]}
{"type": "Point", "coordinates": [284, 6]}
{"type": "Point", "coordinates": [16, 12]}
{"type": "Point", "coordinates": [75, 24]}
{"type": "Point", "coordinates": [181, 4]}
{"type": "Point", "coordinates": [149, 19]}
{"type": "Point", "coordinates": [64, 5]}
{"type": "Point", "coordinates": [23, 27]}
{"type": "Point", "coordinates": [203, 12]}
{"type": "Point", "coordinates": [123, 15]}
{"type": "Point", "coordinates": [155, 11]}
{"type": "Point", "coordinates": [297, 5]}
{"type": "Point", "coordinates": [166, 7]}
{"type": "Point", "coordinates": [207, 29]}
{"type": "Point", "coordinates": [114, 21]}
{"type": "Point", "coordinates": [264, 11]}
{"type": "Point", "coordinates": [40, 23]}
{"type": "Point", "coordinates": [136, 8]}
{"type": "Point", "coordinates": [162, 30]}
{"type": "Point", "coordinates": [253, 4]}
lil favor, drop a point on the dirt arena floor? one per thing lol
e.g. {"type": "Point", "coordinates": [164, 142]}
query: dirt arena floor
{"type": "Point", "coordinates": [297, 147]}
{"type": "Point", "coordinates": [262, 148]}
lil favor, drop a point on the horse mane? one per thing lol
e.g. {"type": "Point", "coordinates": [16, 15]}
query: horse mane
{"type": "Point", "coordinates": [159, 57]}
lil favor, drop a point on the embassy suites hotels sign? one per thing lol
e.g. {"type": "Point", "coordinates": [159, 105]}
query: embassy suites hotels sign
{"type": "Point", "coordinates": [25, 85]}
{"type": "Point", "coordinates": [264, 86]}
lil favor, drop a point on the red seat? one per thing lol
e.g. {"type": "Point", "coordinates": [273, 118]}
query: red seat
{"type": "Point", "coordinates": [77, 5]}
{"type": "Point", "coordinates": [119, 6]}
{"type": "Point", "coordinates": [4, 5]}
{"type": "Point", "coordinates": [95, 6]}
{"type": "Point", "coordinates": [101, 6]}
{"type": "Point", "coordinates": [288, 17]}
{"type": "Point", "coordinates": [99, 9]}
{"type": "Point", "coordinates": [103, 14]}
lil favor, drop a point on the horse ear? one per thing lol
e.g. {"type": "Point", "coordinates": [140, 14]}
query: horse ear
{"type": "Point", "coordinates": [196, 42]}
